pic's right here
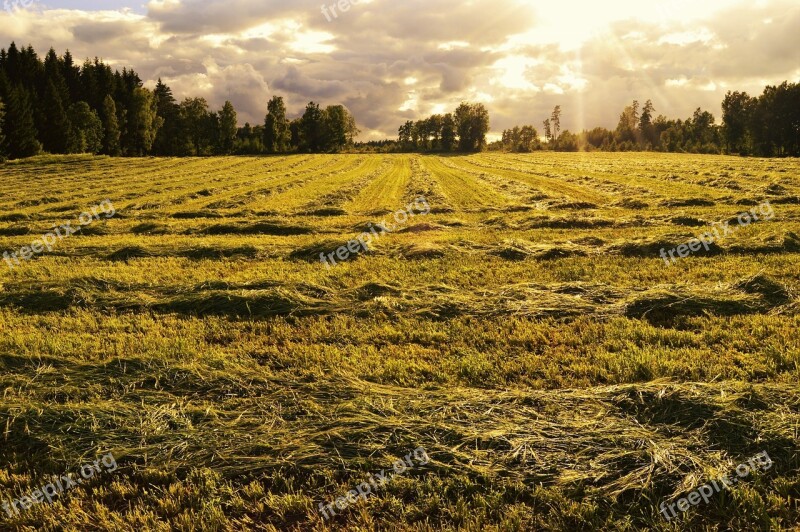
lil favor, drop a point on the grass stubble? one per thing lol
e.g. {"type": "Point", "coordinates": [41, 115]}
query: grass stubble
{"type": "Point", "coordinates": [527, 335]}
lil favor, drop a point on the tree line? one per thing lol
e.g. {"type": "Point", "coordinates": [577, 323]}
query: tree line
{"type": "Point", "coordinates": [767, 126]}
{"type": "Point", "coordinates": [463, 130]}
{"type": "Point", "coordinates": [54, 105]}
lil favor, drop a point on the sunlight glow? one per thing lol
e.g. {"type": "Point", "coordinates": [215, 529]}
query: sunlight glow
{"type": "Point", "coordinates": [313, 42]}
{"type": "Point", "coordinates": [511, 72]}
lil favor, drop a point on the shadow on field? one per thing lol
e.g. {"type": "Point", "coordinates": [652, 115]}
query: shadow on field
{"type": "Point", "coordinates": [263, 228]}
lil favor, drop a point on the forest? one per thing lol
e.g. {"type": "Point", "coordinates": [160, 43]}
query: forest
{"type": "Point", "coordinates": [767, 126]}
{"type": "Point", "coordinates": [57, 106]}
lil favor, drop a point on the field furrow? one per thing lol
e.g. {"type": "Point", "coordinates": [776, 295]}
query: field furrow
{"type": "Point", "coordinates": [464, 191]}
{"type": "Point", "coordinates": [550, 186]}
{"type": "Point", "coordinates": [386, 192]}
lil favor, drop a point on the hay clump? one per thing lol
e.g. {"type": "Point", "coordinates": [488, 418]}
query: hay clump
{"type": "Point", "coordinates": [689, 202]}
{"type": "Point", "coordinates": [311, 252]}
{"type": "Point", "coordinates": [261, 228]}
{"type": "Point", "coordinates": [666, 305]}
{"type": "Point", "coordinates": [422, 251]}
{"type": "Point", "coordinates": [652, 248]}
{"type": "Point", "coordinates": [192, 215]}
{"type": "Point", "coordinates": [16, 230]}
{"type": "Point", "coordinates": [633, 204]}
{"type": "Point", "coordinates": [689, 221]}
{"type": "Point", "coordinates": [150, 228]}
{"type": "Point", "coordinates": [130, 252]}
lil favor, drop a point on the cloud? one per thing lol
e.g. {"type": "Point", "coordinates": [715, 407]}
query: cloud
{"type": "Point", "coordinates": [391, 61]}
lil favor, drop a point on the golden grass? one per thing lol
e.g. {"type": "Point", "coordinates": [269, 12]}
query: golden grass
{"type": "Point", "coordinates": [526, 333]}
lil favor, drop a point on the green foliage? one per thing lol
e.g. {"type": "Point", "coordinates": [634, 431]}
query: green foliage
{"type": "Point", "coordinates": [466, 129]}
{"type": "Point", "coordinates": [111, 131]}
{"type": "Point", "coordinates": [168, 138]}
{"type": "Point", "coordinates": [195, 118]}
{"type": "Point", "coordinates": [523, 139]}
{"type": "Point", "coordinates": [277, 136]}
{"type": "Point", "coordinates": [312, 129]}
{"type": "Point", "coordinates": [472, 124]}
{"type": "Point", "coordinates": [87, 129]}
{"type": "Point", "coordinates": [2, 135]}
{"type": "Point", "coordinates": [19, 128]}
{"type": "Point", "coordinates": [143, 122]}
{"type": "Point", "coordinates": [228, 129]}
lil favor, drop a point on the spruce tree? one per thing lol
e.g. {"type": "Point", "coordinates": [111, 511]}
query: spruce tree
{"type": "Point", "coordinates": [2, 137]}
{"type": "Point", "coordinates": [57, 136]}
{"type": "Point", "coordinates": [18, 126]}
{"type": "Point", "coordinates": [168, 137]}
{"type": "Point", "coordinates": [110, 127]}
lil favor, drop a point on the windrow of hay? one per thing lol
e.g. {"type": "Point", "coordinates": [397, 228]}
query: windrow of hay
{"type": "Point", "coordinates": [688, 202]}
{"type": "Point", "coordinates": [333, 201]}
{"type": "Point", "coordinates": [517, 250]}
{"type": "Point", "coordinates": [193, 215]}
{"type": "Point", "coordinates": [665, 305]}
{"type": "Point", "coordinates": [662, 305]}
{"type": "Point", "coordinates": [260, 228]}
{"type": "Point", "coordinates": [423, 185]}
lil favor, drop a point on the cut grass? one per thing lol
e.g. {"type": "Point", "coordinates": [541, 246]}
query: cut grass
{"type": "Point", "coordinates": [526, 333]}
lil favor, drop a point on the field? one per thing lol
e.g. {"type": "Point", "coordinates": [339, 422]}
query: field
{"type": "Point", "coordinates": [526, 333]}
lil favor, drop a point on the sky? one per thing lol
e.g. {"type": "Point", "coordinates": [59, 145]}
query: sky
{"type": "Point", "coordinates": [390, 61]}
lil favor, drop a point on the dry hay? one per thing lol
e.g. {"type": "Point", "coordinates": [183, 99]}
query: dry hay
{"type": "Point", "coordinates": [421, 251]}
{"type": "Point", "coordinates": [518, 250]}
{"type": "Point", "coordinates": [664, 305]}
{"type": "Point", "coordinates": [14, 217]}
{"type": "Point", "coordinates": [193, 215]}
{"type": "Point", "coordinates": [16, 230]}
{"type": "Point", "coordinates": [421, 228]}
{"type": "Point", "coordinates": [631, 203]}
{"type": "Point", "coordinates": [688, 202]}
{"type": "Point", "coordinates": [261, 228]}
{"type": "Point", "coordinates": [150, 228]}
{"type": "Point", "coordinates": [688, 221]}
{"type": "Point", "coordinates": [652, 247]}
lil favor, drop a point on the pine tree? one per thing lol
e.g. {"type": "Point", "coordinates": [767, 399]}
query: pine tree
{"type": "Point", "coordinates": [18, 126]}
{"type": "Point", "coordinates": [110, 127]}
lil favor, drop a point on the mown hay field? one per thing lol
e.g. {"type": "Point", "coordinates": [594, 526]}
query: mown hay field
{"type": "Point", "coordinates": [525, 332]}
